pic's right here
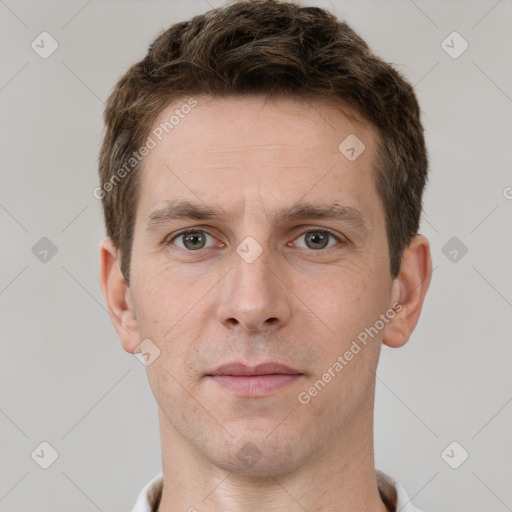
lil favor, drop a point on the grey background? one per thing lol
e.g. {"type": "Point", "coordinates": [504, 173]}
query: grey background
{"type": "Point", "coordinates": [64, 376]}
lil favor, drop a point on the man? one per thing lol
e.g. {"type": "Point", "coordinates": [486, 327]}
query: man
{"type": "Point", "coordinates": [262, 175]}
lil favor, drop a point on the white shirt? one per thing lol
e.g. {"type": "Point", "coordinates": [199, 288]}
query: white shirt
{"type": "Point", "coordinates": [392, 494]}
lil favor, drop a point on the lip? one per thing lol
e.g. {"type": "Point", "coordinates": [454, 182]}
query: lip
{"type": "Point", "coordinates": [260, 380]}
{"type": "Point", "coordinates": [240, 369]}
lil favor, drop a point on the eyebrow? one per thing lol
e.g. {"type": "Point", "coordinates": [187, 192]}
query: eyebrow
{"type": "Point", "coordinates": [179, 210]}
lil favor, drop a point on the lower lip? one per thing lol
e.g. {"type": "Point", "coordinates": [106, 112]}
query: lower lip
{"type": "Point", "coordinates": [255, 385]}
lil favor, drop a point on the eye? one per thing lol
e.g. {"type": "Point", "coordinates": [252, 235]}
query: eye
{"type": "Point", "coordinates": [196, 239]}
{"type": "Point", "coordinates": [192, 239]}
{"type": "Point", "coordinates": [318, 239]}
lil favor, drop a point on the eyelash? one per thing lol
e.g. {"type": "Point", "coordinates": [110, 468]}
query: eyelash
{"type": "Point", "coordinates": [168, 241]}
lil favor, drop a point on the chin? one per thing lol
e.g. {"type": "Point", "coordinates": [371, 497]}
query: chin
{"type": "Point", "coordinates": [256, 455]}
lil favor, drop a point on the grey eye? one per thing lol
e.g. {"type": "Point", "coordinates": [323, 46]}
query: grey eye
{"type": "Point", "coordinates": [192, 240]}
{"type": "Point", "coordinates": [317, 239]}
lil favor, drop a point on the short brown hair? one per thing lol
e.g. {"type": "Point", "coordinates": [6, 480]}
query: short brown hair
{"type": "Point", "coordinates": [275, 48]}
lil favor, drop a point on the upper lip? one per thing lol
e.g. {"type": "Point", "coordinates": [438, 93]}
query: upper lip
{"type": "Point", "coordinates": [240, 369]}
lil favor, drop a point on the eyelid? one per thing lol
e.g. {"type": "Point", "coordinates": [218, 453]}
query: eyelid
{"type": "Point", "coordinates": [335, 234]}
{"type": "Point", "coordinates": [316, 229]}
{"type": "Point", "coordinates": [169, 240]}
{"type": "Point", "coordinates": [304, 229]}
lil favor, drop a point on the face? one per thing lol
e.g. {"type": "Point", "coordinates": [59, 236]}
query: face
{"type": "Point", "coordinates": [284, 262]}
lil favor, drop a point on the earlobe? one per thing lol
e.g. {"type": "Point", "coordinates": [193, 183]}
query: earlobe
{"type": "Point", "coordinates": [118, 297]}
{"type": "Point", "coordinates": [409, 290]}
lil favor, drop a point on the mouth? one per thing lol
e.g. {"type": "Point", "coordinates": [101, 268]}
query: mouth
{"type": "Point", "coordinates": [260, 380]}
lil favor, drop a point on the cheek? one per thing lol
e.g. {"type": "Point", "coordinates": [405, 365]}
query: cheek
{"type": "Point", "coordinates": [172, 392]}
{"type": "Point", "coordinates": [164, 299]}
{"type": "Point", "coordinates": [169, 314]}
{"type": "Point", "coordinates": [345, 299]}
{"type": "Point", "coordinates": [348, 356]}
{"type": "Point", "coordinates": [344, 376]}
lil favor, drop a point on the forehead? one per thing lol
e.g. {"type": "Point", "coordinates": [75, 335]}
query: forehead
{"type": "Point", "coordinates": [252, 146]}
{"type": "Point", "coordinates": [322, 123]}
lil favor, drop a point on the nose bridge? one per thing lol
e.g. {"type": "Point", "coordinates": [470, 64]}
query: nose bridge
{"type": "Point", "coordinates": [253, 266]}
{"type": "Point", "coordinates": [254, 296]}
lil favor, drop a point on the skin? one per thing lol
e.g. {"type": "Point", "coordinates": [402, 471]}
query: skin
{"type": "Point", "coordinates": [299, 303]}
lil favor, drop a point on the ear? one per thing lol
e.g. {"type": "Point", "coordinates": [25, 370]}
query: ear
{"type": "Point", "coordinates": [118, 297]}
{"type": "Point", "coordinates": [409, 290]}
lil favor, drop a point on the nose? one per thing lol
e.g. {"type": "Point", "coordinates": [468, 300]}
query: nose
{"type": "Point", "coordinates": [254, 295]}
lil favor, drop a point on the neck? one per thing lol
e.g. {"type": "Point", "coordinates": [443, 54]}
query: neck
{"type": "Point", "coordinates": [341, 477]}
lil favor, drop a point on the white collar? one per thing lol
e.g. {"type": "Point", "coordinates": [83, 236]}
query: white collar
{"type": "Point", "coordinates": [389, 488]}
